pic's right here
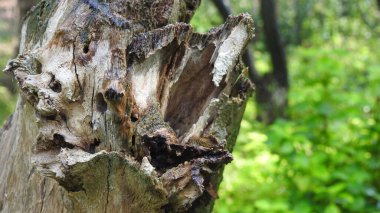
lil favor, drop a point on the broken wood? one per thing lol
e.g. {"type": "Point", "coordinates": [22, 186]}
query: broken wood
{"type": "Point", "coordinates": [123, 108]}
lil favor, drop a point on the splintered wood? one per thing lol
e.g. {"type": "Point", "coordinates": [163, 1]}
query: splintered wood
{"type": "Point", "coordinates": [123, 108]}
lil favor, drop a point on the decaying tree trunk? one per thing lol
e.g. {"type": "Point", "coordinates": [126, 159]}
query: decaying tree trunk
{"type": "Point", "coordinates": [123, 108]}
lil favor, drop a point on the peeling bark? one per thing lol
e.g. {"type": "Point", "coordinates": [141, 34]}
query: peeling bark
{"type": "Point", "coordinates": [123, 108]}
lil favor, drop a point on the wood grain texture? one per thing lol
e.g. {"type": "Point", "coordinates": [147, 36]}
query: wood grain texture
{"type": "Point", "coordinates": [123, 108]}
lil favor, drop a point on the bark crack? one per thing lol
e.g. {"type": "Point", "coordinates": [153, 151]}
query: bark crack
{"type": "Point", "coordinates": [31, 172]}
{"type": "Point", "coordinates": [43, 193]}
{"type": "Point", "coordinates": [108, 184]}
{"type": "Point", "coordinates": [75, 69]}
{"type": "Point", "coordinates": [92, 104]}
{"type": "Point", "coordinates": [106, 127]}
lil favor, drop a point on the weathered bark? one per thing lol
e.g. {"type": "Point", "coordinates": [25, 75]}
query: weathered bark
{"type": "Point", "coordinates": [271, 88]}
{"type": "Point", "coordinates": [123, 108]}
{"type": "Point", "coordinates": [23, 7]}
{"type": "Point", "coordinates": [225, 10]}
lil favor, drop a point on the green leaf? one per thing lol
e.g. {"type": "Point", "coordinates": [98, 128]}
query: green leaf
{"type": "Point", "coordinates": [332, 208]}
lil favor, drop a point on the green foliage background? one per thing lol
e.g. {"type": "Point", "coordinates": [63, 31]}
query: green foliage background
{"type": "Point", "coordinates": [325, 156]}
{"type": "Point", "coordinates": [7, 100]}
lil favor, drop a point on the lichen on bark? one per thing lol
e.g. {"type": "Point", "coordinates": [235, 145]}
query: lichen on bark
{"type": "Point", "coordinates": [123, 108]}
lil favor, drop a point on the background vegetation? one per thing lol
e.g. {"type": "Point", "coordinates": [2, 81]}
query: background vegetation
{"type": "Point", "coordinates": [8, 39]}
{"type": "Point", "coordinates": [324, 154]}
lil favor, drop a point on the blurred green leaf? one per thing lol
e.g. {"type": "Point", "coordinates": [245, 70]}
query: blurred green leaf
{"type": "Point", "coordinates": [332, 208]}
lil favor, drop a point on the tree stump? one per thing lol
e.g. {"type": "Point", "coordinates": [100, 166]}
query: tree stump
{"type": "Point", "coordinates": [123, 108]}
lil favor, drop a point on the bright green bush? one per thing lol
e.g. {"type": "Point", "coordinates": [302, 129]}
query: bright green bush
{"type": "Point", "coordinates": [6, 104]}
{"type": "Point", "coordinates": [325, 157]}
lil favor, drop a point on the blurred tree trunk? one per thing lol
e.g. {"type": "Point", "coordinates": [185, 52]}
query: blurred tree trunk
{"type": "Point", "coordinates": [302, 9]}
{"type": "Point", "coordinates": [273, 98]}
{"type": "Point", "coordinates": [298, 20]}
{"type": "Point", "coordinates": [271, 89]}
{"type": "Point", "coordinates": [123, 108]}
